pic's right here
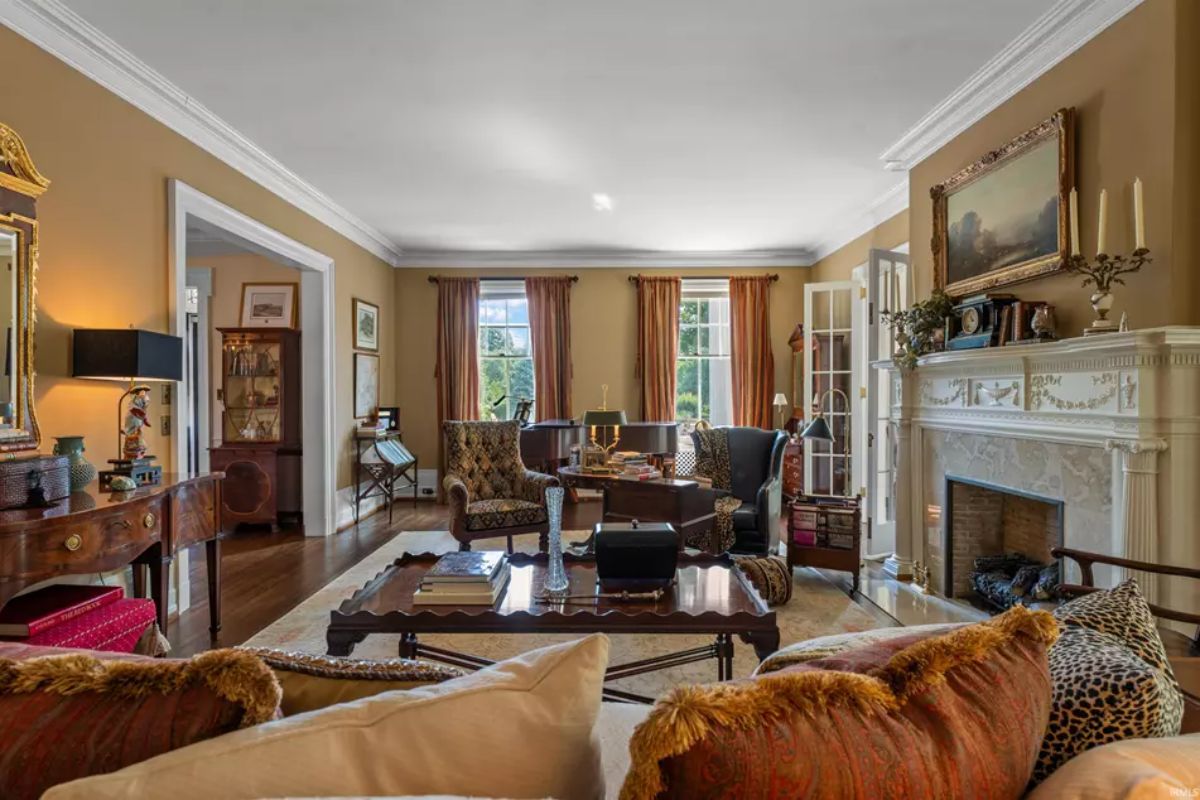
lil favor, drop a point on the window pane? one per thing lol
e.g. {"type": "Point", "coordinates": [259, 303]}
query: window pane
{"type": "Point", "coordinates": [491, 311]}
{"type": "Point", "coordinates": [491, 341]}
{"type": "Point", "coordinates": [518, 341]}
{"type": "Point", "coordinates": [688, 313]}
{"type": "Point", "coordinates": [520, 378]}
{"type": "Point", "coordinates": [820, 308]}
{"type": "Point", "coordinates": [518, 312]}
{"type": "Point", "coordinates": [841, 308]}
{"type": "Point", "coordinates": [687, 341]}
{"type": "Point", "coordinates": [703, 308]}
{"type": "Point", "coordinates": [840, 352]}
{"type": "Point", "coordinates": [703, 347]}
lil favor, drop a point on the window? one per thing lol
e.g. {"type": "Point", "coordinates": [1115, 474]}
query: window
{"type": "Point", "coordinates": [702, 371]}
{"type": "Point", "coordinates": [505, 355]}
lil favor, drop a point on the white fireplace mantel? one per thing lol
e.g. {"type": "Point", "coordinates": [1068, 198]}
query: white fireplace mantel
{"type": "Point", "coordinates": [1135, 395]}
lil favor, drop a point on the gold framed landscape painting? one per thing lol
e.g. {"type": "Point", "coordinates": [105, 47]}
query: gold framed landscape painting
{"type": "Point", "coordinates": [1003, 219]}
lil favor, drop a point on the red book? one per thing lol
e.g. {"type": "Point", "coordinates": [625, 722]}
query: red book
{"type": "Point", "coordinates": [34, 612]}
{"type": "Point", "coordinates": [114, 627]}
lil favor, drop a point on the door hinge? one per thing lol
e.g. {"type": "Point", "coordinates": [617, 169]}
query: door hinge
{"type": "Point", "coordinates": [862, 392]}
{"type": "Point", "coordinates": [862, 292]}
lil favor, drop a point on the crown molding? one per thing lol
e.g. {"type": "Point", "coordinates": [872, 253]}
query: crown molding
{"type": "Point", "coordinates": [69, 37]}
{"type": "Point", "coordinates": [886, 206]}
{"type": "Point", "coordinates": [597, 259]}
{"type": "Point", "coordinates": [1062, 30]}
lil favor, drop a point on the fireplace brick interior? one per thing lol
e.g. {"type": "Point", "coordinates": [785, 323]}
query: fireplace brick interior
{"type": "Point", "coordinates": [989, 521]}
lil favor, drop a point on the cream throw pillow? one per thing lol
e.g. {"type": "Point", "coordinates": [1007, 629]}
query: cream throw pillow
{"type": "Point", "coordinates": [519, 729]}
{"type": "Point", "coordinates": [1132, 769]}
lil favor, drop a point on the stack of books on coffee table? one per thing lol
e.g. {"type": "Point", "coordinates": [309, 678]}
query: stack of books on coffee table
{"type": "Point", "coordinates": [464, 579]}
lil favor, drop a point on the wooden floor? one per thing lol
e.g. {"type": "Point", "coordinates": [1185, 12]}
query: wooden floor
{"type": "Point", "coordinates": [264, 575]}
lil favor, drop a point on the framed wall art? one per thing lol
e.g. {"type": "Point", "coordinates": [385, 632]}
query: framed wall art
{"type": "Point", "coordinates": [366, 385]}
{"type": "Point", "coordinates": [1004, 219]}
{"type": "Point", "coordinates": [366, 326]}
{"type": "Point", "coordinates": [269, 305]}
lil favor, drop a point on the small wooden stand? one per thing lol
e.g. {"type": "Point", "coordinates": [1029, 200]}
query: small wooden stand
{"type": "Point", "coordinates": [143, 471]}
{"type": "Point", "coordinates": [826, 532]}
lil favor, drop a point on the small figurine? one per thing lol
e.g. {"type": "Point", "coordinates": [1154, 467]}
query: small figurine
{"type": "Point", "coordinates": [122, 483]}
{"type": "Point", "coordinates": [136, 419]}
{"type": "Point", "coordinates": [1043, 322]}
{"type": "Point", "coordinates": [1124, 326]}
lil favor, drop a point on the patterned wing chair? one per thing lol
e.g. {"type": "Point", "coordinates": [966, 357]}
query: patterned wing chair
{"type": "Point", "coordinates": [490, 491]}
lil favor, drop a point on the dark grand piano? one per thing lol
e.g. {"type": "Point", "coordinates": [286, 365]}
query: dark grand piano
{"type": "Point", "coordinates": [548, 443]}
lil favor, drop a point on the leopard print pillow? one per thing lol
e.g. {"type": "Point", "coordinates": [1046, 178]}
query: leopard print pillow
{"type": "Point", "coordinates": [1123, 612]}
{"type": "Point", "coordinates": [1103, 692]}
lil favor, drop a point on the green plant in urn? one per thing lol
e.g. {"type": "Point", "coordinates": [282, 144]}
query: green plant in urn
{"type": "Point", "coordinates": [81, 471]}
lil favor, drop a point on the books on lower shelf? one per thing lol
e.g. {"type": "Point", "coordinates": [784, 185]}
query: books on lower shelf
{"type": "Point", "coordinates": [465, 578]}
{"type": "Point", "coordinates": [30, 614]}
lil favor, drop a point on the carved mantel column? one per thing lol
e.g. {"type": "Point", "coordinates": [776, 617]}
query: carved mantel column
{"type": "Point", "coordinates": [1139, 519]}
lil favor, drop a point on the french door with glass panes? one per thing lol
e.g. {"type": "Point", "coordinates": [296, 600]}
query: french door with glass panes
{"type": "Point", "coordinates": [831, 386]}
{"type": "Point", "coordinates": [885, 278]}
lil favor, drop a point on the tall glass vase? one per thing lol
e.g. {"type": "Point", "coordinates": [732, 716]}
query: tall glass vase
{"type": "Point", "coordinates": [556, 575]}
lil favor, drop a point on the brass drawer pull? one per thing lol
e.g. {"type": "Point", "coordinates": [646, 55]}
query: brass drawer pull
{"type": "Point", "coordinates": [148, 521]}
{"type": "Point", "coordinates": [73, 542]}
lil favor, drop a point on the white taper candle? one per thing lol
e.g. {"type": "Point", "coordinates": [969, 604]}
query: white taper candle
{"type": "Point", "coordinates": [1073, 210]}
{"type": "Point", "coordinates": [1102, 235]}
{"type": "Point", "coordinates": [1139, 215]}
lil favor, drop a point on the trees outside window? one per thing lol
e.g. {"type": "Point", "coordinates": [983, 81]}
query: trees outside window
{"type": "Point", "coordinates": [702, 370]}
{"type": "Point", "coordinates": [505, 356]}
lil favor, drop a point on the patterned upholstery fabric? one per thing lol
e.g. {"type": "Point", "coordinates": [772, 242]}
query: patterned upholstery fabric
{"type": "Point", "coordinates": [770, 575]}
{"type": "Point", "coordinates": [68, 714]}
{"type": "Point", "coordinates": [1112, 679]}
{"type": "Point", "coordinates": [486, 482]}
{"type": "Point", "coordinates": [958, 715]}
{"type": "Point", "coordinates": [712, 462]}
{"type": "Point", "coordinates": [490, 514]}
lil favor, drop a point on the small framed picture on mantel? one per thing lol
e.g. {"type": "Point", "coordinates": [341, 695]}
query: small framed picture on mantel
{"type": "Point", "coordinates": [366, 326]}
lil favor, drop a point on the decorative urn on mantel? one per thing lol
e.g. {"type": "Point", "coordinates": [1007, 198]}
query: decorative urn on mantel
{"type": "Point", "coordinates": [1108, 425]}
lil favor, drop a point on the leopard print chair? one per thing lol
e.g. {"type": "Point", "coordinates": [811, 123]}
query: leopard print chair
{"type": "Point", "coordinates": [489, 490]}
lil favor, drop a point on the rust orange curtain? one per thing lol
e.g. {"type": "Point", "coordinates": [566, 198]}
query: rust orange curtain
{"type": "Point", "coordinates": [752, 364]}
{"type": "Point", "coordinates": [550, 331]}
{"type": "Point", "coordinates": [457, 370]}
{"type": "Point", "coordinates": [658, 345]}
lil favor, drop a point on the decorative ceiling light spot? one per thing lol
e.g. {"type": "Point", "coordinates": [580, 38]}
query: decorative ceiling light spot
{"type": "Point", "coordinates": [602, 202]}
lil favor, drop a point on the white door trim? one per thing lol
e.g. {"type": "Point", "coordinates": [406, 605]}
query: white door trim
{"type": "Point", "coordinates": [316, 344]}
{"type": "Point", "coordinates": [201, 278]}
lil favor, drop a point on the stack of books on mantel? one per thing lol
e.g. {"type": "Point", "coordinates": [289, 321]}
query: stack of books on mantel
{"type": "Point", "coordinates": [635, 467]}
{"type": "Point", "coordinates": [464, 579]}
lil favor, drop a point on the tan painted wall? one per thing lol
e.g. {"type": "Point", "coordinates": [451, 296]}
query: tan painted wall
{"type": "Point", "coordinates": [1122, 85]}
{"type": "Point", "coordinates": [837, 265]}
{"type": "Point", "coordinates": [104, 237]}
{"type": "Point", "coordinates": [225, 308]}
{"type": "Point", "coordinates": [603, 340]}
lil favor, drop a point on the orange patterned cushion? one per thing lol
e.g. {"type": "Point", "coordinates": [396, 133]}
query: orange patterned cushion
{"type": "Point", "coordinates": [956, 715]}
{"type": "Point", "coordinates": [68, 714]}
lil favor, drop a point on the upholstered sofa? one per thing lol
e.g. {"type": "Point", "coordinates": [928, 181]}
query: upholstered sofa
{"type": "Point", "coordinates": [490, 492]}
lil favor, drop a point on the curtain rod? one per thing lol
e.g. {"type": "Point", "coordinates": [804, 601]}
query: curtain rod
{"type": "Point", "coordinates": [436, 278]}
{"type": "Point", "coordinates": [772, 277]}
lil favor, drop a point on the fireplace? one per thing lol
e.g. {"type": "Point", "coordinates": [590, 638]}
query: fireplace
{"type": "Point", "coordinates": [994, 534]}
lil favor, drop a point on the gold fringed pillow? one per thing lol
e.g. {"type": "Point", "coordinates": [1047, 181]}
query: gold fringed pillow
{"type": "Point", "coordinates": [72, 715]}
{"type": "Point", "coordinates": [954, 715]}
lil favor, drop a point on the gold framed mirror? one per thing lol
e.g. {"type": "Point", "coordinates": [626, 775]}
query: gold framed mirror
{"type": "Point", "coordinates": [20, 186]}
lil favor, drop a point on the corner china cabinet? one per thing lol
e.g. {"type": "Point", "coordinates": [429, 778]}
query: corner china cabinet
{"type": "Point", "coordinates": [260, 449]}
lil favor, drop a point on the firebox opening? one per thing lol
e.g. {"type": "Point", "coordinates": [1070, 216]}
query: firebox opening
{"type": "Point", "coordinates": [999, 541]}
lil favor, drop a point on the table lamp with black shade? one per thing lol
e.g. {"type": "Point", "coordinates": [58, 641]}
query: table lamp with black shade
{"type": "Point", "coordinates": [135, 357]}
{"type": "Point", "coordinates": [599, 421]}
{"type": "Point", "coordinates": [819, 430]}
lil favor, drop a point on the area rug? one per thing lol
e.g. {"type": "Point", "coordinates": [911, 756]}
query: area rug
{"type": "Point", "coordinates": [817, 608]}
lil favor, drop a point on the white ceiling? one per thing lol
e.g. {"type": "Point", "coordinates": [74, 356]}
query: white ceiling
{"type": "Point", "coordinates": [488, 125]}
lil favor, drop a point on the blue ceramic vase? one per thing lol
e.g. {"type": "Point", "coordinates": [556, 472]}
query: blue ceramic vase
{"type": "Point", "coordinates": [80, 470]}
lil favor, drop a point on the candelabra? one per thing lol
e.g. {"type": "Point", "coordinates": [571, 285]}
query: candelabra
{"type": "Point", "coordinates": [1103, 273]}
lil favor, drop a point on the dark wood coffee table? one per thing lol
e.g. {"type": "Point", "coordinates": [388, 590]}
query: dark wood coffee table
{"type": "Point", "coordinates": [710, 596]}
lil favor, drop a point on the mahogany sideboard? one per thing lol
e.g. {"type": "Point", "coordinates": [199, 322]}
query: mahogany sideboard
{"type": "Point", "coordinates": [97, 531]}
